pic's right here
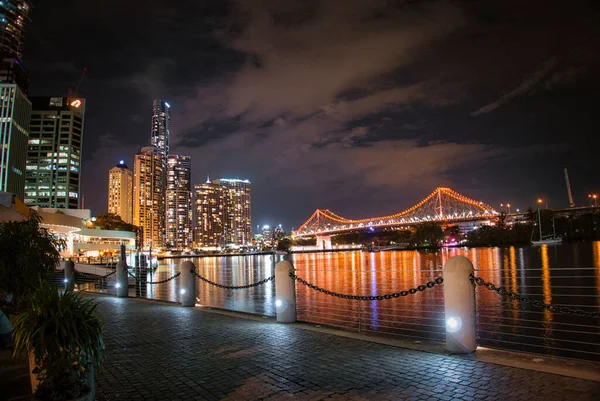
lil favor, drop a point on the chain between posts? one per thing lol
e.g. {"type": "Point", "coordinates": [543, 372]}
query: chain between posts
{"type": "Point", "coordinates": [411, 291]}
{"type": "Point", "coordinates": [165, 280]}
{"type": "Point", "coordinates": [233, 287]}
{"type": "Point", "coordinates": [93, 276]}
{"type": "Point", "coordinates": [538, 304]}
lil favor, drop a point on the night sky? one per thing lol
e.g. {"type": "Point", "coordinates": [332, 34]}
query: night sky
{"type": "Point", "coordinates": [361, 107]}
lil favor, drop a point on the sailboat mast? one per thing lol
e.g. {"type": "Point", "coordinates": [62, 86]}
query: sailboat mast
{"type": "Point", "coordinates": [540, 223]}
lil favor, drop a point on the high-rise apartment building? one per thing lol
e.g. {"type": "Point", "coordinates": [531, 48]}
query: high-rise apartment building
{"type": "Point", "coordinates": [208, 210]}
{"type": "Point", "coordinates": [120, 192]}
{"type": "Point", "coordinates": [15, 116]}
{"type": "Point", "coordinates": [149, 196]}
{"type": "Point", "coordinates": [161, 127]}
{"type": "Point", "coordinates": [53, 175]}
{"type": "Point", "coordinates": [237, 223]}
{"type": "Point", "coordinates": [179, 202]}
{"type": "Point", "coordinates": [14, 17]}
{"type": "Point", "coordinates": [223, 212]}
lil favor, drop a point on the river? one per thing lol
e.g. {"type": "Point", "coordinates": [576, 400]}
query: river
{"type": "Point", "coordinates": [567, 274]}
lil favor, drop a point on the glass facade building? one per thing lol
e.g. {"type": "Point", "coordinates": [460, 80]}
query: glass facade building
{"type": "Point", "coordinates": [15, 114]}
{"type": "Point", "coordinates": [161, 127]}
{"type": "Point", "coordinates": [53, 172]}
{"type": "Point", "coordinates": [120, 192]}
{"type": "Point", "coordinates": [179, 202]}
{"type": "Point", "coordinates": [14, 17]}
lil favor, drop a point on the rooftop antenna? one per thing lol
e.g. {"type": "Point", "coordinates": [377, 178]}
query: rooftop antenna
{"type": "Point", "coordinates": [571, 203]}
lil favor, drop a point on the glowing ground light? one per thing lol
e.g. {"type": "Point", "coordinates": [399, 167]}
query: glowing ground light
{"type": "Point", "coordinates": [453, 324]}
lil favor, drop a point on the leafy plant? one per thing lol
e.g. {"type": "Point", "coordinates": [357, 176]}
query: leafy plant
{"type": "Point", "coordinates": [65, 335]}
{"type": "Point", "coordinates": [28, 253]}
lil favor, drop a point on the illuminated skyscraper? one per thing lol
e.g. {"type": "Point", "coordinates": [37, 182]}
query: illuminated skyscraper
{"type": "Point", "coordinates": [14, 132]}
{"type": "Point", "coordinates": [120, 192]}
{"type": "Point", "coordinates": [208, 210]}
{"type": "Point", "coordinates": [179, 202]}
{"type": "Point", "coordinates": [53, 175]}
{"type": "Point", "coordinates": [149, 196]}
{"type": "Point", "coordinates": [14, 17]}
{"type": "Point", "coordinates": [237, 223]}
{"type": "Point", "coordinates": [161, 127]}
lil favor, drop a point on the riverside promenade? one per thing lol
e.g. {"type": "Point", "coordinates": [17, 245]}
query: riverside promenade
{"type": "Point", "coordinates": [162, 351]}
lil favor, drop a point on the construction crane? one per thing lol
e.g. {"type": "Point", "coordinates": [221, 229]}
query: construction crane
{"type": "Point", "coordinates": [75, 93]}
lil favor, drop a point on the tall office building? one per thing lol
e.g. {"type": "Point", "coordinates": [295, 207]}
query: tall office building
{"type": "Point", "coordinates": [179, 202]}
{"type": "Point", "coordinates": [53, 175]}
{"type": "Point", "coordinates": [237, 224]}
{"type": "Point", "coordinates": [161, 127]}
{"type": "Point", "coordinates": [120, 192]}
{"type": "Point", "coordinates": [14, 17]}
{"type": "Point", "coordinates": [208, 210]}
{"type": "Point", "coordinates": [15, 109]}
{"type": "Point", "coordinates": [15, 114]}
{"type": "Point", "coordinates": [149, 196]}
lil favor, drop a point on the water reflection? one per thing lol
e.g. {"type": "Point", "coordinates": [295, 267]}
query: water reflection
{"type": "Point", "coordinates": [546, 274]}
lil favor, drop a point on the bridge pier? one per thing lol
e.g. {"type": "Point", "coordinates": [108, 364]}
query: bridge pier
{"type": "Point", "coordinates": [324, 242]}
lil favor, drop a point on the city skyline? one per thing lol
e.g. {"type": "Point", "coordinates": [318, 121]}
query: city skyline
{"type": "Point", "coordinates": [366, 117]}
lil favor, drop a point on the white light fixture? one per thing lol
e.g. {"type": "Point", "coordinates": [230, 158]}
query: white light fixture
{"type": "Point", "coordinates": [182, 291]}
{"type": "Point", "coordinates": [118, 285]}
{"type": "Point", "coordinates": [453, 324]}
{"type": "Point", "coordinates": [278, 303]}
{"type": "Point", "coordinates": [66, 280]}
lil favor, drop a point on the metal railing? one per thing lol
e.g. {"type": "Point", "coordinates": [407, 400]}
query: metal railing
{"type": "Point", "coordinates": [514, 313]}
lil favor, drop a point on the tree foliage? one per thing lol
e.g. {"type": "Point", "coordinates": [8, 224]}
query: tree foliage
{"type": "Point", "coordinates": [111, 221]}
{"type": "Point", "coordinates": [284, 244]}
{"type": "Point", "coordinates": [428, 234]}
{"type": "Point", "coordinates": [28, 253]}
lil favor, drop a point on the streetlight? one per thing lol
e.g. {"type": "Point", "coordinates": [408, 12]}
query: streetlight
{"type": "Point", "coordinates": [508, 205]}
{"type": "Point", "coordinates": [545, 202]}
{"type": "Point", "coordinates": [594, 197]}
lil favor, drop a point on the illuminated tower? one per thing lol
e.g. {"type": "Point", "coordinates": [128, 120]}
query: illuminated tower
{"type": "Point", "coordinates": [14, 133]}
{"type": "Point", "coordinates": [161, 127]}
{"type": "Point", "coordinates": [237, 222]}
{"type": "Point", "coordinates": [179, 202]}
{"type": "Point", "coordinates": [14, 17]}
{"type": "Point", "coordinates": [53, 176]}
{"type": "Point", "coordinates": [120, 192]}
{"type": "Point", "coordinates": [208, 210]}
{"type": "Point", "coordinates": [148, 197]}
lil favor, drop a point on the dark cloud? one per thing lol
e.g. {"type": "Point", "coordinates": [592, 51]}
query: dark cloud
{"type": "Point", "coordinates": [358, 106]}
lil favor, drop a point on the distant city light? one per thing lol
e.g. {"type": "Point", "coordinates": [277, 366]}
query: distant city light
{"type": "Point", "coordinates": [234, 180]}
{"type": "Point", "coordinates": [168, 105]}
{"type": "Point", "coordinates": [121, 162]}
{"type": "Point", "coordinates": [266, 227]}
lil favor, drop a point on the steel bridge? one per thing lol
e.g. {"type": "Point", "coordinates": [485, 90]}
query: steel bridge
{"type": "Point", "coordinates": [443, 205]}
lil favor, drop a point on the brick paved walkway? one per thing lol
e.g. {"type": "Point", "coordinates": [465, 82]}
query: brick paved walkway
{"type": "Point", "coordinates": [160, 351]}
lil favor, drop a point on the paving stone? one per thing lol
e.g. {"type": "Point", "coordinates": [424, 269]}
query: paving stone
{"type": "Point", "coordinates": [167, 352]}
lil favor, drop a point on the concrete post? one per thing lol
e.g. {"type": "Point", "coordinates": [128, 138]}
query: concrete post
{"type": "Point", "coordinates": [187, 280]}
{"type": "Point", "coordinates": [285, 292]}
{"type": "Point", "coordinates": [69, 271]}
{"type": "Point", "coordinates": [459, 306]}
{"type": "Point", "coordinates": [122, 285]}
